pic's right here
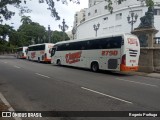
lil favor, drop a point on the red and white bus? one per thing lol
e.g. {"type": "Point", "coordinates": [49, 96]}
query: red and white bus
{"type": "Point", "coordinates": [21, 52]}
{"type": "Point", "coordinates": [114, 53]}
{"type": "Point", "coordinates": [40, 52]}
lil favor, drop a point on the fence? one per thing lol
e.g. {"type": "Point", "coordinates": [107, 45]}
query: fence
{"type": "Point", "coordinates": [157, 40]}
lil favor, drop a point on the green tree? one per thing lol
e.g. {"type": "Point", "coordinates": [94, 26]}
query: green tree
{"type": "Point", "coordinates": [58, 36]}
{"type": "Point", "coordinates": [150, 3]}
{"type": "Point", "coordinates": [5, 30]}
{"type": "Point", "coordinates": [26, 20]}
{"type": "Point", "coordinates": [33, 31]}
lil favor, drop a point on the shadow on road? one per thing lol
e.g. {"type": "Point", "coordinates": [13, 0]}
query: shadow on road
{"type": "Point", "coordinates": [113, 73]}
{"type": "Point", "coordinates": [7, 57]}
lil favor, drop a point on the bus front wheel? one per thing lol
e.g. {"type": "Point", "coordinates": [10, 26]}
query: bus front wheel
{"type": "Point", "coordinates": [94, 67]}
{"type": "Point", "coordinates": [39, 59]}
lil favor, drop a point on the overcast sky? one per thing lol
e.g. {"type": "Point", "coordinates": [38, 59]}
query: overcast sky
{"type": "Point", "coordinates": [41, 15]}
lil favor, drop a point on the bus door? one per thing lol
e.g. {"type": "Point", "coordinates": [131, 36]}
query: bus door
{"type": "Point", "coordinates": [103, 62]}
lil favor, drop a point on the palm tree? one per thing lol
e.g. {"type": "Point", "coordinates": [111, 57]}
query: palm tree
{"type": "Point", "coordinates": [26, 20]}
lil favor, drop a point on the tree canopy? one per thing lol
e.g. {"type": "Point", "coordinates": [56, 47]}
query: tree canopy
{"type": "Point", "coordinates": [7, 14]}
{"type": "Point", "coordinates": [58, 36]}
{"type": "Point", "coordinates": [28, 33]}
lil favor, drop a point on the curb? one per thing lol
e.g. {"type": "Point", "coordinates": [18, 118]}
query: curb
{"type": "Point", "coordinates": [6, 103]}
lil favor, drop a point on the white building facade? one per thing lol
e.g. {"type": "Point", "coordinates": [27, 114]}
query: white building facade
{"type": "Point", "coordinates": [117, 21]}
{"type": "Point", "coordinates": [79, 17]}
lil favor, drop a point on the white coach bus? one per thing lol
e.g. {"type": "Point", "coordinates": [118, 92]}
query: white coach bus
{"type": "Point", "coordinates": [114, 53]}
{"type": "Point", "coordinates": [40, 52]}
{"type": "Point", "coordinates": [21, 52]}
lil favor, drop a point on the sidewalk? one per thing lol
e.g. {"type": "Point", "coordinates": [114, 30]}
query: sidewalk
{"type": "Point", "coordinates": [153, 75]}
{"type": "Point", "coordinates": [3, 107]}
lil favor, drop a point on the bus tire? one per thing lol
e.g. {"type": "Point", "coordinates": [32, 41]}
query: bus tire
{"type": "Point", "coordinates": [58, 62]}
{"type": "Point", "coordinates": [94, 66]}
{"type": "Point", "coordinates": [39, 59]}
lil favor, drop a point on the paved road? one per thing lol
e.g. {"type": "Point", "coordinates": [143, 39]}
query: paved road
{"type": "Point", "coordinates": [32, 86]}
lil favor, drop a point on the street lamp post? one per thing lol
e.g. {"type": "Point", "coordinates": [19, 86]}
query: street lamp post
{"type": "Point", "coordinates": [63, 27]}
{"type": "Point", "coordinates": [49, 34]}
{"type": "Point", "coordinates": [96, 27]}
{"type": "Point", "coordinates": [132, 19]}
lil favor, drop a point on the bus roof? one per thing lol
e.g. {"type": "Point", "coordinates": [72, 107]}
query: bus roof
{"type": "Point", "coordinates": [22, 47]}
{"type": "Point", "coordinates": [69, 41]}
{"type": "Point", "coordinates": [41, 44]}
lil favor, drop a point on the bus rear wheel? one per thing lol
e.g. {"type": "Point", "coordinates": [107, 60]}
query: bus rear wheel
{"type": "Point", "coordinates": [94, 67]}
{"type": "Point", "coordinates": [58, 62]}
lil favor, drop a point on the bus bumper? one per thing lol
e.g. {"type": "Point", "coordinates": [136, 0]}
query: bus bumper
{"type": "Point", "coordinates": [47, 60]}
{"type": "Point", "coordinates": [127, 68]}
{"type": "Point", "coordinates": [23, 57]}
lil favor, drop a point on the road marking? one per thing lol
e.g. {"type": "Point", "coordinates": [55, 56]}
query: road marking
{"type": "Point", "coordinates": [42, 75]}
{"type": "Point", "coordinates": [137, 82]}
{"type": "Point", "coordinates": [107, 95]}
{"type": "Point", "coordinates": [8, 105]}
{"type": "Point", "coordinates": [16, 66]}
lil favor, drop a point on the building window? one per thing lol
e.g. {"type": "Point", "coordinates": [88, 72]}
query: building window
{"type": "Point", "coordinates": [119, 16]}
{"type": "Point", "coordinates": [119, 2]}
{"type": "Point", "coordinates": [96, 11]}
{"type": "Point", "coordinates": [89, 14]}
{"type": "Point", "coordinates": [106, 7]}
{"type": "Point", "coordinates": [106, 18]}
{"type": "Point", "coordinates": [156, 11]}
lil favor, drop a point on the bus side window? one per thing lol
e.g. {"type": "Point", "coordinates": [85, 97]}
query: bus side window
{"type": "Point", "coordinates": [116, 42]}
{"type": "Point", "coordinates": [93, 44]}
{"type": "Point", "coordinates": [83, 45]}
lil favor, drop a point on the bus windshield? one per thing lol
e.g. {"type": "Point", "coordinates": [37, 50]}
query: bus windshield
{"type": "Point", "coordinates": [53, 51]}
